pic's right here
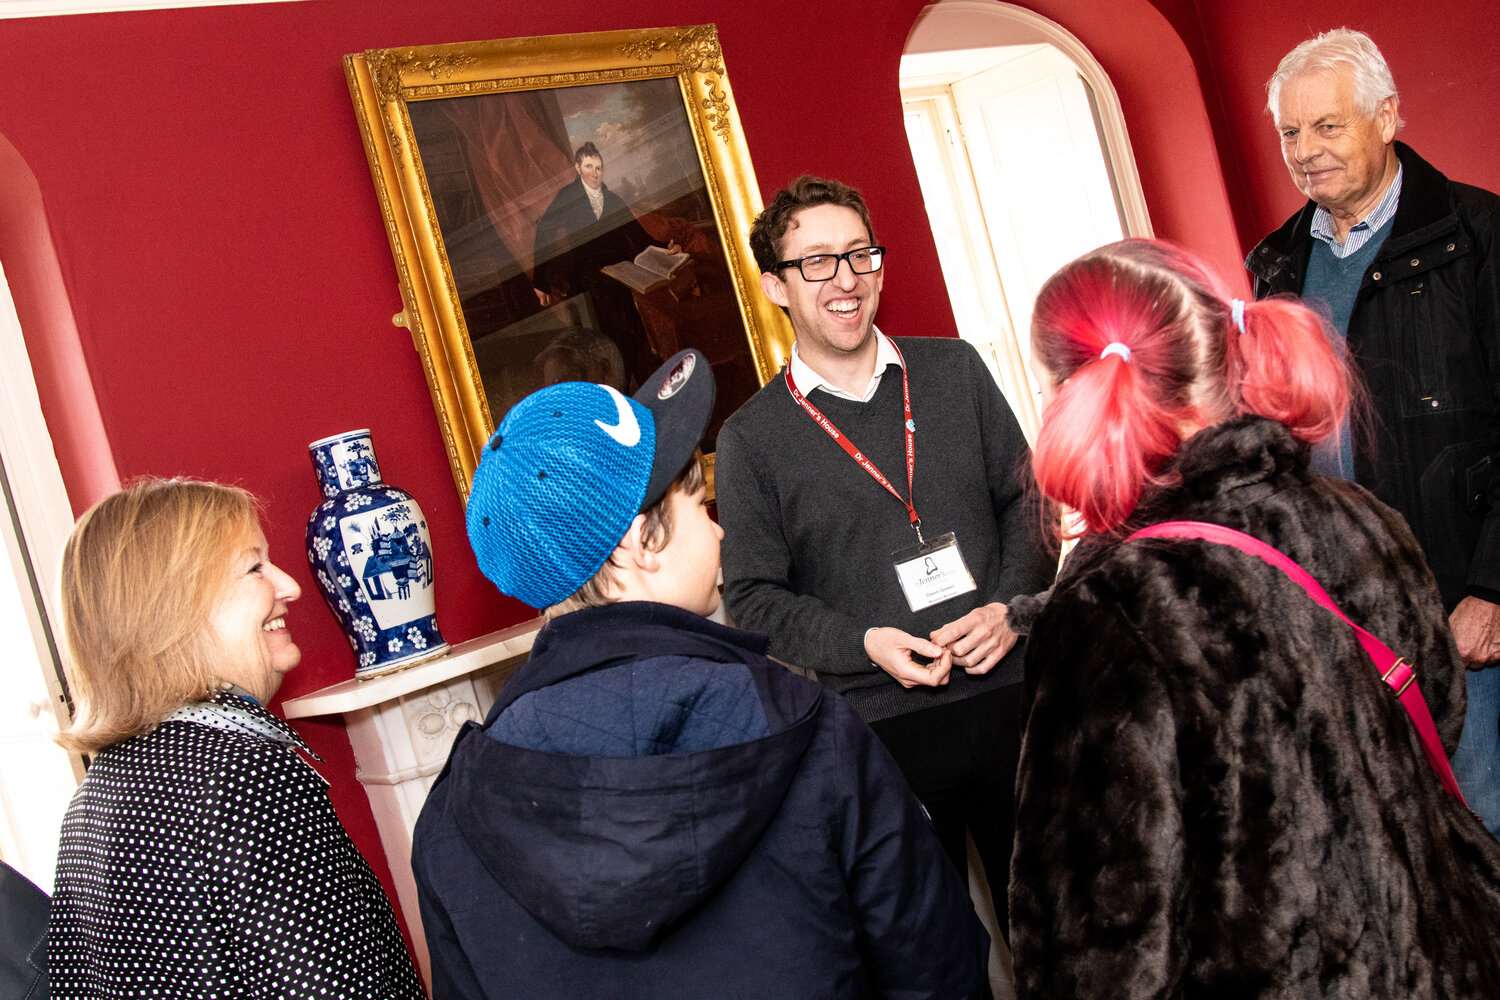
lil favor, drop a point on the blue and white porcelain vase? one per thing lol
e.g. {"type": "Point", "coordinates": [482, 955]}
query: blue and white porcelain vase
{"type": "Point", "coordinates": [372, 557]}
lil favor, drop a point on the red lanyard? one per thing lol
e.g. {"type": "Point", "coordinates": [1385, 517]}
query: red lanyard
{"type": "Point", "coordinates": [864, 463]}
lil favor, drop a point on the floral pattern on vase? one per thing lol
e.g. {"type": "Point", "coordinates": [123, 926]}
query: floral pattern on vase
{"type": "Point", "coordinates": [371, 554]}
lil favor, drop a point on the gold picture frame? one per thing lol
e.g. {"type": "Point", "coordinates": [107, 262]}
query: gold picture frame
{"type": "Point", "coordinates": [469, 145]}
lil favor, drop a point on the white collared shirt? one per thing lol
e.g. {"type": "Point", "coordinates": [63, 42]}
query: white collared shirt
{"type": "Point", "coordinates": [1363, 231]}
{"type": "Point", "coordinates": [596, 200]}
{"type": "Point", "coordinates": [807, 379]}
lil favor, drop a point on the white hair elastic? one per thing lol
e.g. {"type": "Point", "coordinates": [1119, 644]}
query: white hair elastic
{"type": "Point", "coordinates": [1116, 348]}
{"type": "Point", "coordinates": [1237, 313]}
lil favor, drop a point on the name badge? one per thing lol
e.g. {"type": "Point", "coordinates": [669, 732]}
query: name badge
{"type": "Point", "coordinates": [932, 572]}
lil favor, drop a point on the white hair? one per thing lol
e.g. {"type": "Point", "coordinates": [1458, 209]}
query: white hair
{"type": "Point", "coordinates": [1331, 51]}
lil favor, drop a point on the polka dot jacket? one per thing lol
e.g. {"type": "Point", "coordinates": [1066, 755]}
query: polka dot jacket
{"type": "Point", "coordinates": [203, 859]}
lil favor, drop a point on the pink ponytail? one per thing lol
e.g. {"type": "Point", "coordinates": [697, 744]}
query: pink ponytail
{"type": "Point", "coordinates": [1103, 438]}
{"type": "Point", "coordinates": [1113, 422]}
{"type": "Point", "coordinates": [1116, 422]}
{"type": "Point", "coordinates": [1288, 366]}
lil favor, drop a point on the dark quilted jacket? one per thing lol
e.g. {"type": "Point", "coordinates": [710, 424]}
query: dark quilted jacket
{"type": "Point", "coordinates": [654, 809]}
{"type": "Point", "coordinates": [1217, 795]}
{"type": "Point", "coordinates": [1425, 334]}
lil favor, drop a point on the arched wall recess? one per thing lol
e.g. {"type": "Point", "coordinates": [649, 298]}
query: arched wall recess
{"type": "Point", "coordinates": [966, 24]}
{"type": "Point", "coordinates": [1025, 162]}
{"type": "Point", "coordinates": [52, 349]}
{"type": "Point", "coordinates": [37, 777]}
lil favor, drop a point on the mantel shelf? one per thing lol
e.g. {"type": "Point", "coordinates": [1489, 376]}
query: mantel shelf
{"type": "Point", "coordinates": [464, 658]}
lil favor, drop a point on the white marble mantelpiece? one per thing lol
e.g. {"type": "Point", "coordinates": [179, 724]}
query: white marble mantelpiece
{"type": "Point", "coordinates": [402, 725]}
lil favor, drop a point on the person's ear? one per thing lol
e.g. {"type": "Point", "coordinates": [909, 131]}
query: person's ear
{"type": "Point", "coordinates": [1386, 117]}
{"type": "Point", "coordinates": [632, 553]}
{"type": "Point", "coordinates": [774, 287]}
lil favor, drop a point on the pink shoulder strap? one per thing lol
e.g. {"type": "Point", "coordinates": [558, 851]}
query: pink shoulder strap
{"type": "Point", "coordinates": [1399, 674]}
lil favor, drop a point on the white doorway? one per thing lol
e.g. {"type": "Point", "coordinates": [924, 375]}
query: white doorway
{"type": "Point", "coordinates": [1024, 163]}
{"type": "Point", "coordinates": [37, 777]}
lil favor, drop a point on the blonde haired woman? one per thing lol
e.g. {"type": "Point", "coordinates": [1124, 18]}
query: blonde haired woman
{"type": "Point", "coordinates": [200, 856]}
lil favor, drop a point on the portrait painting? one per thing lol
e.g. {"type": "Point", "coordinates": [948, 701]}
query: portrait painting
{"type": "Point", "coordinates": [546, 199]}
{"type": "Point", "coordinates": [582, 226]}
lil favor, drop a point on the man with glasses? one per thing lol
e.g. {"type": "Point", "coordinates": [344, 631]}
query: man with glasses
{"type": "Point", "coordinates": [873, 502]}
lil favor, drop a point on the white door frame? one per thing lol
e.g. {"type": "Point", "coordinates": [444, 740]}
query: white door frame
{"type": "Point", "coordinates": [40, 506]}
{"type": "Point", "coordinates": [968, 18]}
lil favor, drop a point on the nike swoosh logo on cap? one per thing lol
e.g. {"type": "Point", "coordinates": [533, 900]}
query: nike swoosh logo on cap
{"type": "Point", "coordinates": [627, 431]}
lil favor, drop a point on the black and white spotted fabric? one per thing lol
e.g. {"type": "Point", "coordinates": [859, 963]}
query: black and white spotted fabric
{"type": "Point", "coordinates": [204, 859]}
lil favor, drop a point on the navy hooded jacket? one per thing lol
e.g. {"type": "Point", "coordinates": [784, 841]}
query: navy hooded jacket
{"type": "Point", "coordinates": [655, 809]}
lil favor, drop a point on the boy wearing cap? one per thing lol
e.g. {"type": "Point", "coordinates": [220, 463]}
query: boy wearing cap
{"type": "Point", "coordinates": [652, 807]}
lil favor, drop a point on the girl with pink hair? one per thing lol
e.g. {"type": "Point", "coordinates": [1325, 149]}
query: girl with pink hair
{"type": "Point", "coordinates": [1217, 794]}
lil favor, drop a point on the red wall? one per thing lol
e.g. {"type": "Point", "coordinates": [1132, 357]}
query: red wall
{"type": "Point", "coordinates": [1443, 55]}
{"type": "Point", "coordinates": [221, 244]}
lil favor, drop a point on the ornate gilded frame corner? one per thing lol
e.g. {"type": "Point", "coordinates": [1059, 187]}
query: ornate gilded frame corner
{"type": "Point", "coordinates": [384, 82]}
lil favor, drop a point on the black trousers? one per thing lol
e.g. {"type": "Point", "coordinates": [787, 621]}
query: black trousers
{"type": "Point", "coordinates": [960, 760]}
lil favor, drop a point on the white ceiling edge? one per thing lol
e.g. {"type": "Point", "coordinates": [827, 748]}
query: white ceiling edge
{"type": "Point", "coordinates": [58, 8]}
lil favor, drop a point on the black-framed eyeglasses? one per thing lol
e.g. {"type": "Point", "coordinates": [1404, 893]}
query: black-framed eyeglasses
{"type": "Point", "coordinates": [823, 266]}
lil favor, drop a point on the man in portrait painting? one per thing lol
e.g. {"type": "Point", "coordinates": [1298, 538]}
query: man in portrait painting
{"type": "Point", "coordinates": [587, 227]}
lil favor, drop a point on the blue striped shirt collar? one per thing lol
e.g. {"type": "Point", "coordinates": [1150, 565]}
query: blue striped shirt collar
{"type": "Point", "coordinates": [1362, 231]}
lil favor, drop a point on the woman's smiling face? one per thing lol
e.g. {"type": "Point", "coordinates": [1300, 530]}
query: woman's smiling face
{"type": "Point", "coordinates": [249, 621]}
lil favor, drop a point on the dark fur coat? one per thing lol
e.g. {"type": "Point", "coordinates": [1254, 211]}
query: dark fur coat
{"type": "Point", "coordinates": [1218, 797]}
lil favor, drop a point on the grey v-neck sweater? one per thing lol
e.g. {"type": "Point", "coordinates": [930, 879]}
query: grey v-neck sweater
{"type": "Point", "coordinates": [810, 537]}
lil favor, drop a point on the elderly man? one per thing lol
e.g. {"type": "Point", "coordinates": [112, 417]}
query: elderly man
{"type": "Point", "coordinates": [1406, 263]}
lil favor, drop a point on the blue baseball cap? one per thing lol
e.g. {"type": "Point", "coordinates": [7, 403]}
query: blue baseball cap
{"type": "Point", "coordinates": [570, 467]}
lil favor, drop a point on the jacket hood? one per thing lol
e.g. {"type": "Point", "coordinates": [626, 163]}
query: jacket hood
{"type": "Point", "coordinates": [608, 851]}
